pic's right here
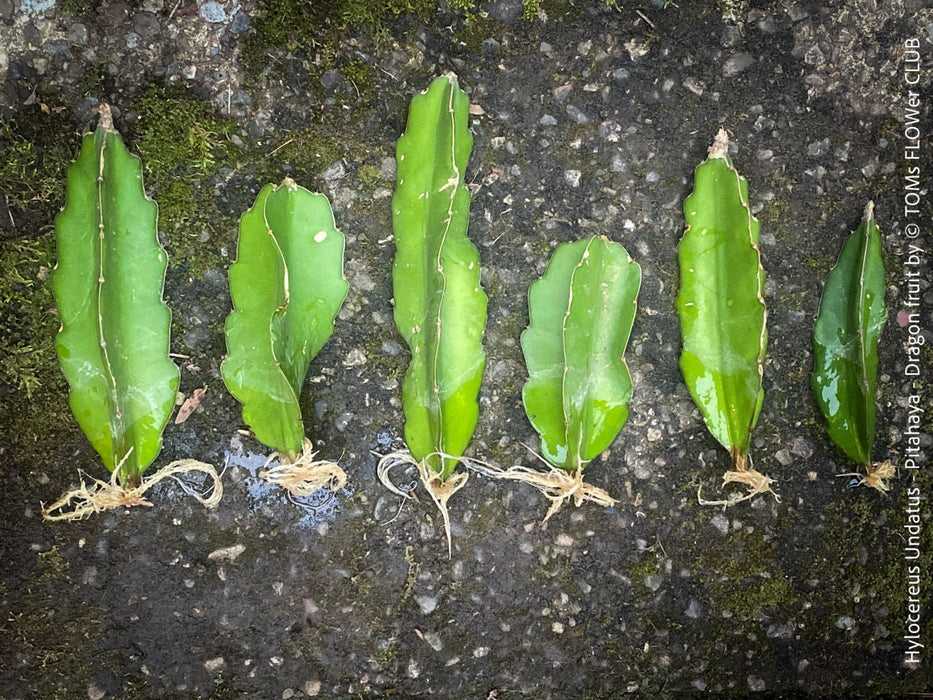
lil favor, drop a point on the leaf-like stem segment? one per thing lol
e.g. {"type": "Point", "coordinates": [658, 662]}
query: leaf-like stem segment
{"type": "Point", "coordinates": [723, 314]}
{"type": "Point", "coordinates": [581, 313]}
{"type": "Point", "coordinates": [845, 341]}
{"type": "Point", "coordinates": [440, 307]}
{"type": "Point", "coordinates": [114, 341]}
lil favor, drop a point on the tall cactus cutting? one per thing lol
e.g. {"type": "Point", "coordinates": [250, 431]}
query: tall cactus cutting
{"type": "Point", "coordinates": [722, 311]}
{"type": "Point", "coordinates": [845, 339]}
{"type": "Point", "coordinates": [440, 308]}
{"type": "Point", "coordinates": [114, 342]}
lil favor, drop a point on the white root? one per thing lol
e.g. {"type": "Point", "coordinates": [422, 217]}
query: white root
{"type": "Point", "coordinates": [558, 485]}
{"type": "Point", "coordinates": [94, 495]}
{"type": "Point", "coordinates": [876, 476]}
{"type": "Point", "coordinates": [742, 473]}
{"type": "Point", "coordinates": [304, 476]}
{"type": "Point", "coordinates": [440, 490]}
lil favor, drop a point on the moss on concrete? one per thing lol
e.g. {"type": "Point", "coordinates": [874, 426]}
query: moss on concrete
{"type": "Point", "coordinates": [183, 145]}
{"type": "Point", "coordinates": [36, 151]}
{"type": "Point", "coordinates": [55, 634]}
{"type": "Point", "coordinates": [313, 28]}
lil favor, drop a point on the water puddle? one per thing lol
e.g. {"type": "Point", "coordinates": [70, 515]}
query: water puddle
{"type": "Point", "coordinates": [319, 507]}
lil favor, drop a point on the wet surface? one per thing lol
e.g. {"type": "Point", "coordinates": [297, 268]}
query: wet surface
{"type": "Point", "coordinates": [587, 120]}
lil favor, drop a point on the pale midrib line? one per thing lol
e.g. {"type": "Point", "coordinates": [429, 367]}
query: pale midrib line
{"type": "Point", "coordinates": [865, 246]}
{"type": "Point", "coordinates": [284, 306]}
{"type": "Point", "coordinates": [115, 397]}
{"type": "Point", "coordinates": [440, 269]}
{"type": "Point", "coordinates": [563, 347]}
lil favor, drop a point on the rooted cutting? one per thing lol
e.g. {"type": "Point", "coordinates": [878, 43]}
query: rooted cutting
{"type": "Point", "coordinates": [722, 312]}
{"type": "Point", "coordinates": [440, 308]}
{"type": "Point", "coordinates": [287, 286]}
{"type": "Point", "coordinates": [845, 339]}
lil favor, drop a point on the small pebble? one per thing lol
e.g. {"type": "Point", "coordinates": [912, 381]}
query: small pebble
{"type": "Point", "coordinates": [562, 92]}
{"type": "Point", "coordinates": [434, 641]}
{"type": "Point", "coordinates": [78, 34]}
{"type": "Point", "coordinates": [240, 22]}
{"type": "Point", "coordinates": [387, 168]}
{"type": "Point", "coordinates": [784, 457]}
{"type": "Point", "coordinates": [577, 114]}
{"type": "Point", "coordinates": [695, 610]}
{"type": "Point", "coordinates": [780, 631]}
{"type": "Point", "coordinates": [227, 553]}
{"type": "Point", "coordinates": [491, 47]}
{"type": "Point", "coordinates": [212, 665]}
{"type": "Point", "coordinates": [343, 421]}
{"type": "Point", "coordinates": [818, 148]}
{"type": "Point", "coordinates": [617, 163]}
{"type": "Point", "coordinates": [355, 358]}
{"type": "Point", "coordinates": [572, 177]}
{"type": "Point", "coordinates": [721, 523]}
{"type": "Point", "coordinates": [212, 12]}
{"type": "Point", "coordinates": [736, 64]}
{"type": "Point", "coordinates": [654, 581]}
{"type": "Point", "coordinates": [335, 171]}
{"type": "Point", "coordinates": [330, 79]}
{"type": "Point", "coordinates": [146, 25]}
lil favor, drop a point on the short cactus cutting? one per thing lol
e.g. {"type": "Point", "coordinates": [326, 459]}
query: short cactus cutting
{"type": "Point", "coordinates": [114, 342]}
{"type": "Point", "coordinates": [287, 286]}
{"type": "Point", "coordinates": [722, 313]}
{"type": "Point", "coordinates": [440, 309]}
{"type": "Point", "coordinates": [581, 314]}
{"type": "Point", "coordinates": [845, 339]}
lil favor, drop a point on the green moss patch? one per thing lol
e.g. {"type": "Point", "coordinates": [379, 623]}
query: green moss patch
{"type": "Point", "coordinates": [183, 145]}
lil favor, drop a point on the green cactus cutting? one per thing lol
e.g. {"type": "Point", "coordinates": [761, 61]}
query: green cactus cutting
{"type": "Point", "coordinates": [581, 314]}
{"type": "Point", "coordinates": [722, 311]}
{"type": "Point", "coordinates": [287, 285]}
{"type": "Point", "coordinates": [845, 339]}
{"type": "Point", "coordinates": [114, 341]}
{"type": "Point", "coordinates": [440, 308]}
